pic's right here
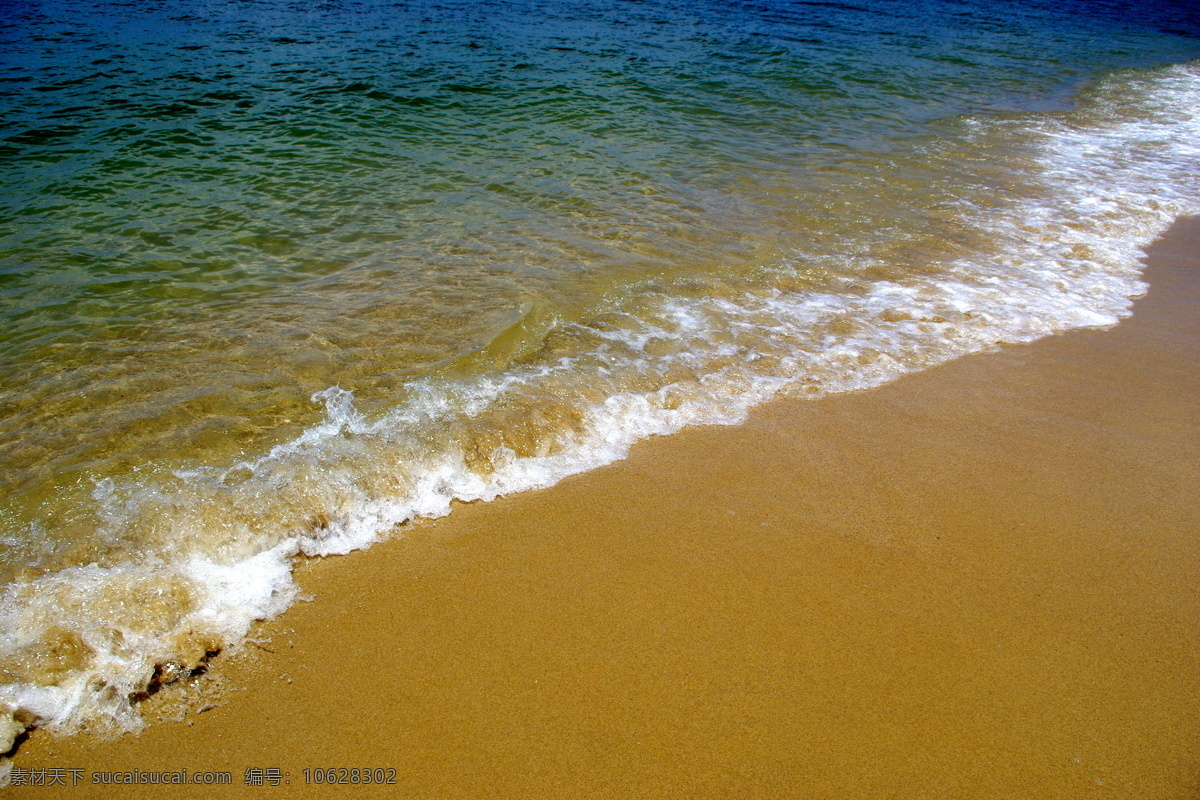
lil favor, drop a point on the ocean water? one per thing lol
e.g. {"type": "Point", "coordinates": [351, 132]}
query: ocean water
{"type": "Point", "coordinates": [277, 278]}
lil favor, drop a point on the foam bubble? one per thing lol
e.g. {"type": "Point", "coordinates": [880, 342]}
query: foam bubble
{"type": "Point", "coordinates": [88, 639]}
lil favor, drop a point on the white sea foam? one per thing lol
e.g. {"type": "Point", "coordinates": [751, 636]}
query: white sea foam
{"type": "Point", "coordinates": [1067, 256]}
{"type": "Point", "coordinates": [128, 619]}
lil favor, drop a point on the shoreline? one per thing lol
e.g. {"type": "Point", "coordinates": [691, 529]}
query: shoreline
{"type": "Point", "coordinates": [976, 580]}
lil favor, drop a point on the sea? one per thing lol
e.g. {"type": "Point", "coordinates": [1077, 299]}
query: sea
{"type": "Point", "coordinates": [279, 278]}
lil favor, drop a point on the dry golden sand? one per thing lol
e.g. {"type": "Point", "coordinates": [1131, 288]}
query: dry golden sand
{"type": "Point", "coordinates": [980, 581]}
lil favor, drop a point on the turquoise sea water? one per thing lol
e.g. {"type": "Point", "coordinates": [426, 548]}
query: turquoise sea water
{"type": "Point", "coordinates": [277, 277]}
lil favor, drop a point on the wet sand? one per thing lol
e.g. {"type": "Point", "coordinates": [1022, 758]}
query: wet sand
{"type": "Point", "coordinates": [982, 580]}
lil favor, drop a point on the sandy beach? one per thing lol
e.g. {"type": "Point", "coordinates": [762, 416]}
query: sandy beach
{"type": "Point", "coordinates": [981, 580]}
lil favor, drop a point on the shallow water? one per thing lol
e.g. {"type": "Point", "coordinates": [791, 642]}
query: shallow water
{"type": "Point", "coordinates": [277, 278]}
